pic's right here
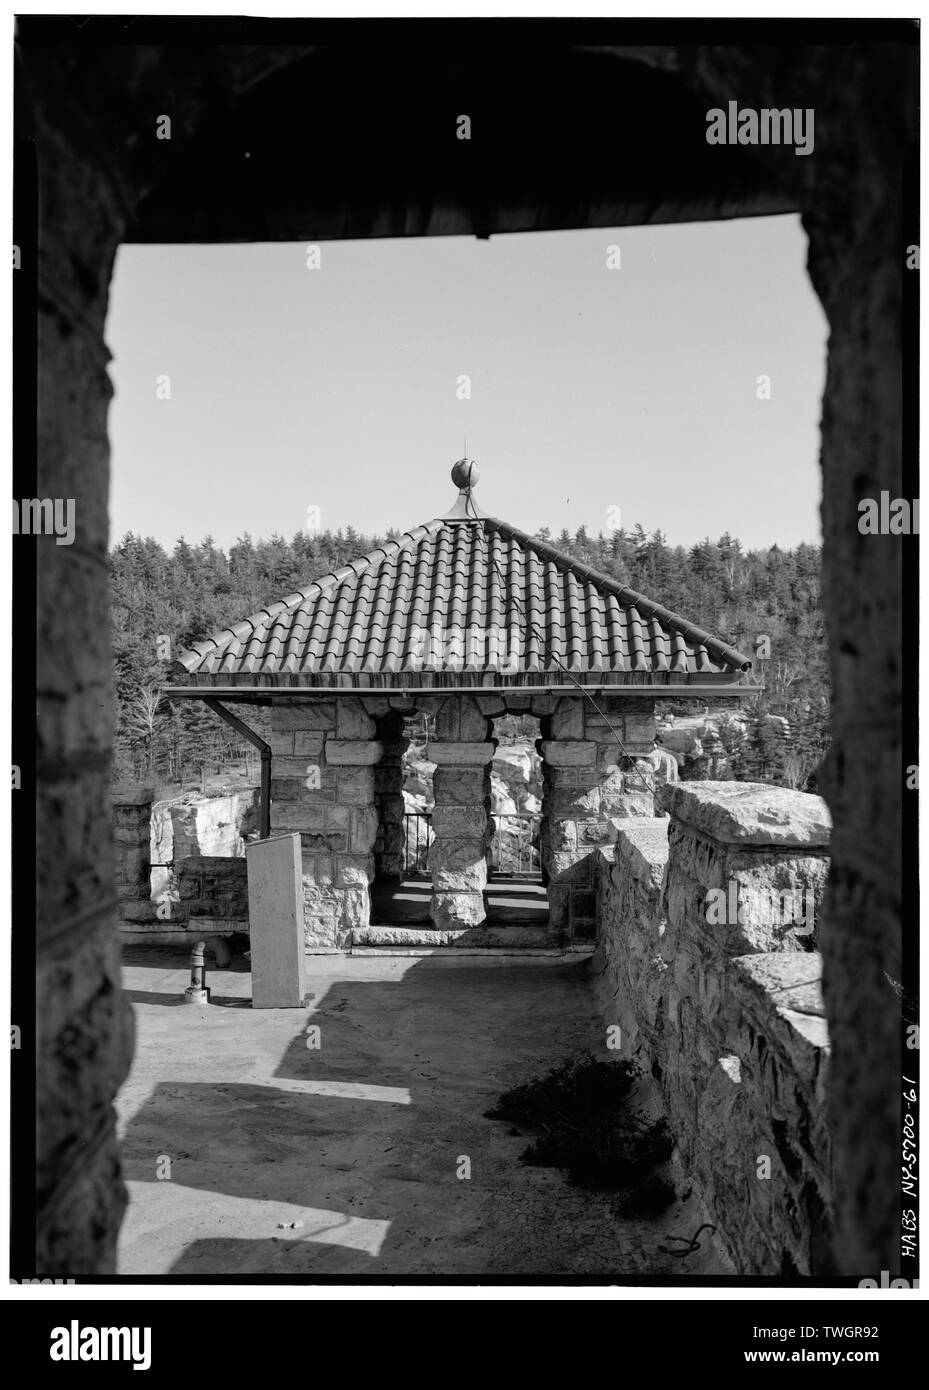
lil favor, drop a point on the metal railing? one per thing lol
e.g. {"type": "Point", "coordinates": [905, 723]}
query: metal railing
{"type": "Point", "coordinates": [514, 849]}
{"type": "Point", "coordinates": [417, 837]}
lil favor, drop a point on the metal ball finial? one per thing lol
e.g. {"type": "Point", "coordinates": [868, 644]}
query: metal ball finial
{"type": "Point", "coordinates": [465, 473]}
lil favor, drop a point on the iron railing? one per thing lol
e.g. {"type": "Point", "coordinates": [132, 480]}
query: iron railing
{"type": "Point", "coordinates": [514, 849]}
{"type": "Point", "coordinates": [417, 837]}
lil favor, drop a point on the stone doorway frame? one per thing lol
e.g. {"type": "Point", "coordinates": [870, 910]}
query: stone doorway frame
{"type": "Point", "coordinates": [857, 205]}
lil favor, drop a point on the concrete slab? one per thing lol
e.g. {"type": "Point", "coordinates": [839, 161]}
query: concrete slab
{"type": "Point", "coordinates": [253, 1144]}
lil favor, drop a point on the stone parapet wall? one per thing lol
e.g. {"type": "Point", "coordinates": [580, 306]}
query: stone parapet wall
{"type": "Point", "coordinates": [132, 815]}
{"type": "Point", "coordinates": [198, 893]}
{"type": "Point", "coordinates": [212, 891]}
{"type": "Point", "coordinates": [719, 995]}
{"type": "Point", "coordinates": [132, 818]}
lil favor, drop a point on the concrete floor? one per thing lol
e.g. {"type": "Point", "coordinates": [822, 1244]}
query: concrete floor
{"type": "Point", "coordinates": [359, 1143]}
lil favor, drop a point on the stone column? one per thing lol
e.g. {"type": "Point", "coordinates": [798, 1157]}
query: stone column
{"type": "Point", "coordinates": [322, 785]}
{"type": "Point", "coordinates": [80, 1048]}
{"type": "Point", "coordinates": [388, 798]}
{"type": "Point", "coordinates": [588, 781]}
{"type": "Point", "coordinates": [458, 856]}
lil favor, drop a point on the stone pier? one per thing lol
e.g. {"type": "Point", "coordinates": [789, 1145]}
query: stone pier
{"type": "Point", "coordinates": [458, 855]}
{"type": "Point", "coordinates": [323, 758]}
{"type": "Point", "coordinates": [597, 767]}
{"type": "Point", "coordinates": [388, 797]}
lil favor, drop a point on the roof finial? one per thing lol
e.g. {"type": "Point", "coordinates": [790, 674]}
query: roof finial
{"type": "Point", "coordinates": [465, 474]}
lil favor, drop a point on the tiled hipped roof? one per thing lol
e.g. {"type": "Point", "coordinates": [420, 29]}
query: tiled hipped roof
{"type": "Point", "coordinates": [414, 613]}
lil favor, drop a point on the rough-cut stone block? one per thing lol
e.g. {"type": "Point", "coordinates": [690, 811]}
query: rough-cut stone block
{"type": "Point", "coordinates": [321, 900]}
{"type": "Point", "coordinates": [308, 745]}
{"type": "Point", "coordinates": [751, 813]}
{"type": "Point", "coordinates": [594, 832]}
{"type": "Point", "coordinates": [562, 836]}
{"type": "Point", "coordinates": [630, 804]}
{"type": "Point", "coordinates": [473, 725]}
{"type": "Point", "coordinates": [611, 759]}
{"type": "Point", "coordinates": [302, 714]}
{"type": "Point", "coordinates": [471, 878]}
{"type": "Point", "coordinates": [450, 910]}
{"type": "Point", "coordinates": [701, 859]}
{"type": "Point", "coordinates": [459, 719]}
{"type": "Point", "coordinates": [453, 821]}
{"type": "Point", "coordinates": [461, 754]}
{"type": "Point", "coordinates": [281, 742]}
{"type": "Point", "coordinates": [568, 754]}
{"type": "Point", "coordinates": [323, 843]}
{"type": "Point", "coordinates": [352, 720]}
{"type": "Point", "coordinates": [300, 769]}
{"type": "Point", "coordinates": [296, 815]}
{"type": "Point", "coordinates": [568, 867]}
{"type": "Point", "coordinates": [318, 869]}
{"type": "Point", "coordinates": [363, 829]}
{"type": "Point", "coordinates": [337, 817]}
{"type": "Point", "coordinates": [354, 908]}
{"type": "Point", "coordinates": [458, 853]}
{"type": "Point", "coordinates": [568, 719]}
{"type": "Point", "coordinates": [342, 752]}
{"type": "Point", "coordinates": [376, 705]}
{"type": "Point", "coordinates": [458, 786]}
{"type": "Point", "coordinates": [638, 728]}
{"type": "Point", "coordinates": [354, 870]}
{"type": "Point", "coordinates": [643, 845]}
{"type": "Point", "coordinates": [355, 786]}
{"type": "Point", "coordinates": [286, 789]}
{"type": "Point", "coordinates": [575, 803]}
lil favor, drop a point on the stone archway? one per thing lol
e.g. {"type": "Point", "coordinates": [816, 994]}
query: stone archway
{"type": "Point", "coordinates": [101, 177]}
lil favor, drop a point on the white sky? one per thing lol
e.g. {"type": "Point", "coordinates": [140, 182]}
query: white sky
{"type": "Point", "coordinates": [591, 388]}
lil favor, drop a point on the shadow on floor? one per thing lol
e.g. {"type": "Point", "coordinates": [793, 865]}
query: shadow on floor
{"type": "Point", "coordinates": [366, 1151]}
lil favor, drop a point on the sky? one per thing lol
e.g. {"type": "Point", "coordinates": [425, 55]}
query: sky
{"type": "Point", "coordinates": [599, 397]}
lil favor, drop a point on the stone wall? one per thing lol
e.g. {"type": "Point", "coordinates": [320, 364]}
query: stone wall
{"type": "Point", "coordinates": [706, 959]}
{"type": "Point", "coordinates": [214, 825]}
{"type": "Point", "coordinates": [195, 894]}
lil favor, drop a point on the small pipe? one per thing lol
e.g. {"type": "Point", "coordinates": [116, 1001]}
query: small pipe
{"type": "Point", "coordinates": [197, 991]}
{"type": "Point", "coordinates": [264, 806]}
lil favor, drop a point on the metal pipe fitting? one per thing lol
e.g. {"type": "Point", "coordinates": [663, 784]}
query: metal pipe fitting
{"type": "Point", "coordinates": [197, 991]}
